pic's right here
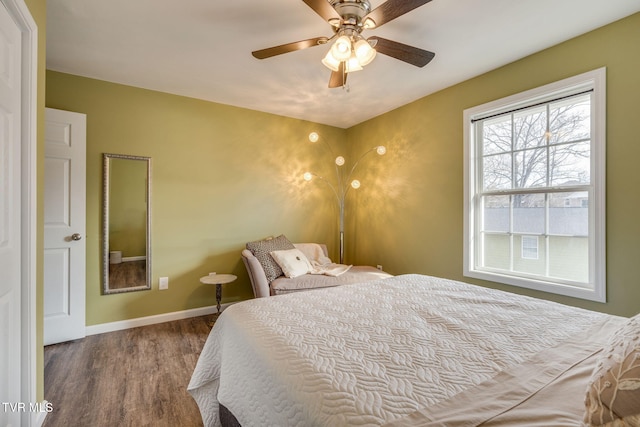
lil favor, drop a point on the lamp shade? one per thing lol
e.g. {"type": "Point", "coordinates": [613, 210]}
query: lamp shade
{"type": "Point", "coordinates": [352, 64]}
{"type": "Point", "coordinates": [364, 52]}
{"type": "Point", "coordinates": [341, 49]}
{"type": "Point", "coordinates": [331, 62]}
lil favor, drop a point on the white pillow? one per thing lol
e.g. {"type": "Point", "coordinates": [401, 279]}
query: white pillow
{"type": "Point", "coordinates": [292, 262]}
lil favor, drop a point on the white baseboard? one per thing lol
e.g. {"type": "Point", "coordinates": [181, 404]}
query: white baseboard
{"type": "Point", "coordinates": [151, 320]}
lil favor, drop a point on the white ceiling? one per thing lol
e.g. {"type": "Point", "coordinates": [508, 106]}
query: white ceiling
{"type": "Point", "coordinates": [202, 48]}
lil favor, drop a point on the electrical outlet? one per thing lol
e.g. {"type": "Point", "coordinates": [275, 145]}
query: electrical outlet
{"type": "Point", "coordinates": [379, 267]}
{"type": "Point", "coordinates": [164, 283]}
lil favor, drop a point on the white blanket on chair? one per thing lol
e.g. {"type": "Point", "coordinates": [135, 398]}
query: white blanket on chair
{"type": "Point", "coordinates": [320, 263]}
{"type": "Point", "coordinates": [331, 269]}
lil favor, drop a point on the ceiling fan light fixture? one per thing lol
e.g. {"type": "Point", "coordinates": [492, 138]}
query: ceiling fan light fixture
{"type": "Point", "coordinates": [341, 49]}
{"type": "Point", "coordinates": [352, 64]}
{"type": "Point", "coordinates": [331, 62]}
{"type": "Point", "coordinates": [364, 52]}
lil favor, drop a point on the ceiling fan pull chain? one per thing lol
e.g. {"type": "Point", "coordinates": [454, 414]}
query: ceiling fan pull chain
{"type": "Point", "coordinates": [344, 80]}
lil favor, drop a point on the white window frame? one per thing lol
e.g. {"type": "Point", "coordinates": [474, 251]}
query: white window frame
{"type": "Point", "coordinates": [595, 288]}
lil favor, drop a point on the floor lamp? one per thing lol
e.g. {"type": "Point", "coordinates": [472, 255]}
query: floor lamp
{"type": "Point", "coordinates": [343, 183]}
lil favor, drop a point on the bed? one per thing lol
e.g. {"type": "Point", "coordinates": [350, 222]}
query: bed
{"type": "Point", "coordinates": [416, 350]}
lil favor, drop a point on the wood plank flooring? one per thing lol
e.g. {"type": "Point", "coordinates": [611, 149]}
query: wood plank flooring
{"type": "Point", "coordinates": [136, 377]}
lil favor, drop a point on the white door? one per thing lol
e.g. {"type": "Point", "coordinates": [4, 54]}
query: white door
{"type": "Point", "coordinates": [10, 216]}
{"type": "Point", "coordinates": [64, 226]}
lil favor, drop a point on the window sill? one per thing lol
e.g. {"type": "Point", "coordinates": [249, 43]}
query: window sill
{"type": "Point", "coordinates": [575, 291]}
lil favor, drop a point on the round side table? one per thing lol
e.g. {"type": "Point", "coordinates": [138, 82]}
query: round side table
{"type": "Point", "coordinates": [218, 280]}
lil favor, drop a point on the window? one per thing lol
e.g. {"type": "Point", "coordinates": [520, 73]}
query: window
{"type": "Point", "coordinates": [534, 188]}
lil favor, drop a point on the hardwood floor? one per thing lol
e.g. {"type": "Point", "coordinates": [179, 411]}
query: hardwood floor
{"type": "Point", "coordinates": [136, 377]}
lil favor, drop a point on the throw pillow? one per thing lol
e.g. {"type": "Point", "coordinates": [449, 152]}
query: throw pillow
{"type": "Point", "coordinates": [292, 262]}
{"type": "Point", "coordinates": [261, 250]}
{"type": "Point", "coordinates": [613, 395]}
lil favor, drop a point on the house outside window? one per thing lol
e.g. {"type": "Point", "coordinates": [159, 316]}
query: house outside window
{"type": "Point", "coordinates": [534, 188]}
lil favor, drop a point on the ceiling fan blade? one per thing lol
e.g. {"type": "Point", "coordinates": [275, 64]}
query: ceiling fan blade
{"type": "Point", "coordinates": [338, 78]}
{"type": "Point", "coordinates": [324, 9]}
{"type": "Point", "coordinates": [289, 47]}
{"type": "Point", "coordinates": [409, 54]}
{"type": "Point", "coordinates": [391, 9]}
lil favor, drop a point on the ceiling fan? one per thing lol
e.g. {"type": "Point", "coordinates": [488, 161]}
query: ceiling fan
{"type": "Point", "coordinates": [351, 51]}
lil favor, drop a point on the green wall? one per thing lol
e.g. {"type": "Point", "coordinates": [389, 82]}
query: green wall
{"type": "Point", "coordinates": [221, 176]}
{"type": "Point", "coordinates": [413, 221]}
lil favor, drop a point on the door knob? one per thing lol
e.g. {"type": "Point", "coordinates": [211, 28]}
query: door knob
{"type": "Point", "coordinates": [76, 236]}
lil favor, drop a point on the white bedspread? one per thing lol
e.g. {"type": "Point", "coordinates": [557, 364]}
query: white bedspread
{"type": "Point", "coordinates": [367, 354]}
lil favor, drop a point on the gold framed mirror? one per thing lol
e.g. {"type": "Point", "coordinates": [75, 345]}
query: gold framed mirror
{"type": "Point", "coordinates": [126, 227]}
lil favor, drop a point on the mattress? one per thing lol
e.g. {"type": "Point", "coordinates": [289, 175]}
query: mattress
{"type": "Point", "coordinates": [376, 353]}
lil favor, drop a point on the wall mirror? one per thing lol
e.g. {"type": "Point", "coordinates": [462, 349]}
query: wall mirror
{"type": "Point", "coordinates": [126, 229]}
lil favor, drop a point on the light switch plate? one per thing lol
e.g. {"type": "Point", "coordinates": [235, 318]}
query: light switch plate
{"type": "Point", "coordinates": [164, 283]}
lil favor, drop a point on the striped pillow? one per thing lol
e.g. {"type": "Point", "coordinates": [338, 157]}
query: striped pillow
{"type": "Point", "coordinates": [261, 250]}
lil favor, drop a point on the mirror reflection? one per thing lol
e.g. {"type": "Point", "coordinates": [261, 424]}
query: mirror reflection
{"type": "Point", "coordinates": [126, 223]}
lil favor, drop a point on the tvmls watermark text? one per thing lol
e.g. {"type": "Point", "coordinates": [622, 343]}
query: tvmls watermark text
{"type": "Point", "coordinates": [26, 407]}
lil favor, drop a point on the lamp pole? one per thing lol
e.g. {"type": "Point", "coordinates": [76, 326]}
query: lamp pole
{"type": "Point", "coordinates": [343, 185]}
